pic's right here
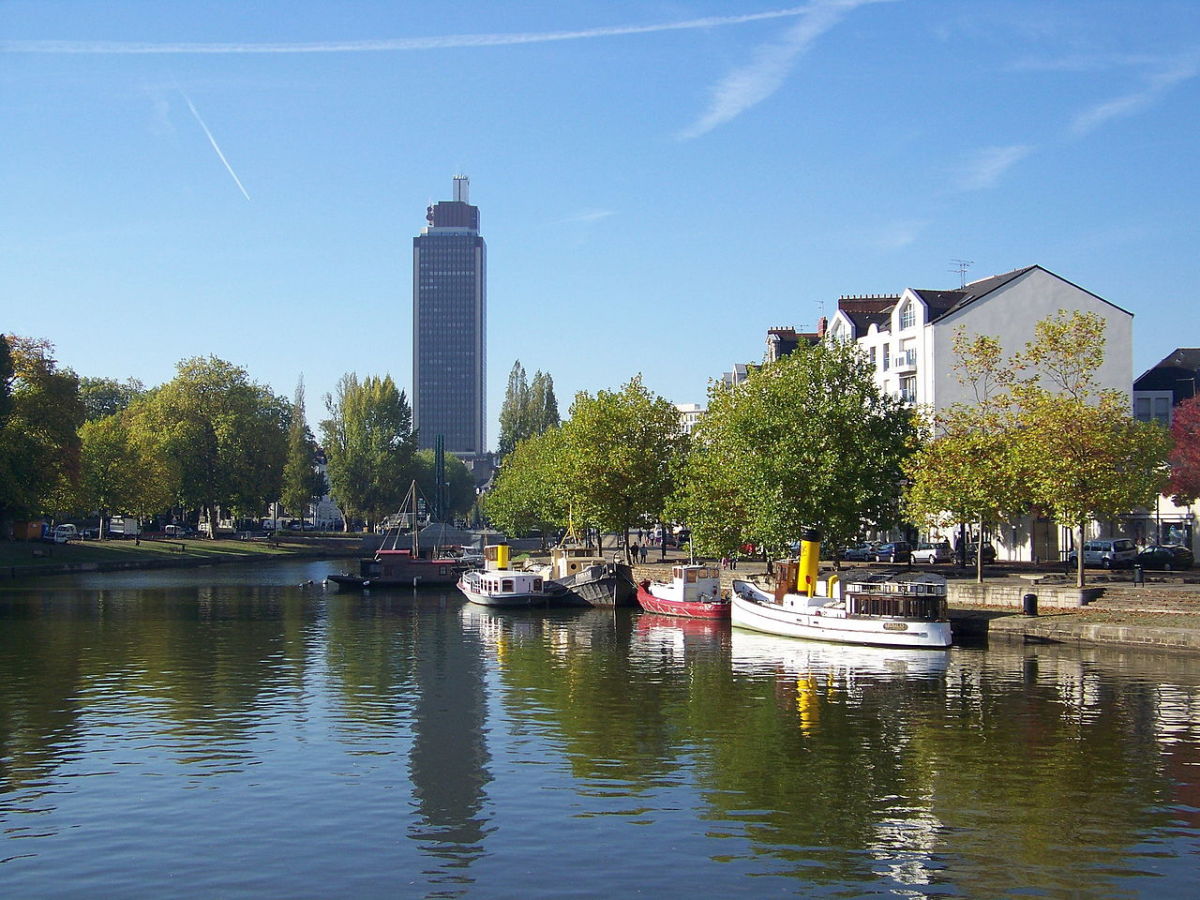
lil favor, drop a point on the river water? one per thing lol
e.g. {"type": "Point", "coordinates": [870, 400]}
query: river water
{"type": "Point", "coordinates": [231, 732]}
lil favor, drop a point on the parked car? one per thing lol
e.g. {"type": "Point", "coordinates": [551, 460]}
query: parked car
{"type": "Point", "coordinates": [64, 533]}
{"type": "Point", "coordinates": [860, 553]}
{"type": "Point", "coordinates": [927, 554]}
{"type": "Point", "coordinates": [1165, 556]}
{"type": "Point", "coordinates": [989, 553]}
{"type": "Point", "coordinates": [1108, 553]}
{"type": "Point", "coordinates": [895, 552]}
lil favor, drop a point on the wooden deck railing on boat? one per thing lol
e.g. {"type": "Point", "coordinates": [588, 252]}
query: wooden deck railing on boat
{"type": "Point", "coordinates": [905, 606]}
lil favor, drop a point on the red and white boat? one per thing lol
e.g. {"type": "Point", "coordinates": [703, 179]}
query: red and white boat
{"type": "Point", "coordinates": [693, 591]}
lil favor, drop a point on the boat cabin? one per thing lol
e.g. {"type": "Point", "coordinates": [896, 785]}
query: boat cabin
{"type": "Point", "coordinates": [696, 583]}
{"type": "Point", "coordinates": [403, 564]}
{"type": "Point", "coordinates": [568, 561]}
{"type": "Point", "coordinates": [498, 583]}
{"type": "Point", "coordinates": [915, 595]}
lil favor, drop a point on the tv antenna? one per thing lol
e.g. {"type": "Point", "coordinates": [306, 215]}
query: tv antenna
{"type": "Point", "coordinates": [961, 266]}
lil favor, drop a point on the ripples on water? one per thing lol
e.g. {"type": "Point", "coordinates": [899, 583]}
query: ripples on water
{"type": "Point", "coordinates": [237, 732]}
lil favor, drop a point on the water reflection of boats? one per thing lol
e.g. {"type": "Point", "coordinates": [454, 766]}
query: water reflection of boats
{"type": "Point", "coordinates": [755, 653]}
{"type": "Point", "coordinates": [655, 623]}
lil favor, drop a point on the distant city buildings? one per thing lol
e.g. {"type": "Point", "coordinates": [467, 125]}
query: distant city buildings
{"type": "Point", "coordinates": [450, 328]}
{"type": "Point", "coordinates": [689, 415]}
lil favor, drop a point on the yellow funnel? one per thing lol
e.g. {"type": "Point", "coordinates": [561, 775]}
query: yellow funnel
{"type": "Point", "coordinates": [810, 556]}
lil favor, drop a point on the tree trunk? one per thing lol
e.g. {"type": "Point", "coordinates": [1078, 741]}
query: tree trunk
{"type": "Point", "coordinates": [979, 555]}
{"type": "Point", "coordinates": [1079, 554]}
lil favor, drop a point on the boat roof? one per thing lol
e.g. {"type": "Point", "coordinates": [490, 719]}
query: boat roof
{"type": "Point", "coordinates": [898, 583]}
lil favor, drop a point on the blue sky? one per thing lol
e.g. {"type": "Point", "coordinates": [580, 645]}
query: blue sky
{"type": "Point", "coordinates": [659, 182]}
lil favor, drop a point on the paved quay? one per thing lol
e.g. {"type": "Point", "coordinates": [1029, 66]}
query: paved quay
{"type": "Point", "coordinates": [1163, 613]}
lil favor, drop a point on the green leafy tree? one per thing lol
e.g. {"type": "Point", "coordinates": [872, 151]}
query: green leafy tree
{"type": "Point", "coordinates": [619, 456]}
{"type": "Point", "coordinates": [807, 441]}
{"type": "Point", "coordinates": [369, 445]}
{"type": "Point", "coordinates": [968, 471]}
{"type": "Point", "coordinates": [222, 434]}
{"type": "Point", "coordinates": [1084, 456]}
{"type": "Point", "coordinates": [39, 432]}
{"type": "Point", "coordinates": [7, 376]}
{"type": "Point", "coordinates": [460, 490]}
{"type": "Point", "coordinates": [302, 480]}
{"type": "Point", "coordinates": [1052, 441]}
{"type": "Point", "coordinates": [528, 408]}
{"type": "Point", "coordinates": [106, 396]}
{"type": "Point", "coordinates": [530, 490]}
{"type": "Point", "coordinates": [514, 411]}
{"type": "Point", "coordinates": [122, 470]}
{"type": "Point", "coordinates": [543, 405]}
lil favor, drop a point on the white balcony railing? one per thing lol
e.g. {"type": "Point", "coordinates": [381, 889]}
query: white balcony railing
{"type": "Point", "coordinates": [905, 361]}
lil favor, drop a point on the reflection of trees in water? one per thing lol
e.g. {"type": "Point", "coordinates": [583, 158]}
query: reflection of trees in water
{"type": "Point", "coordinates": [1007, 769]}
{"type": "Point", "coordinates": [188, 664]}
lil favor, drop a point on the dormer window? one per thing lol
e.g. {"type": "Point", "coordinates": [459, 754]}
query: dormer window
{"type": "Point", "coordinates": [908, 316]}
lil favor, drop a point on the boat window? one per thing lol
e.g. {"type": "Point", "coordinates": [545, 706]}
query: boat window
{"type": "Point", "coordinates": [691, 576]}
{"type": "Point", "coordinates": [677, 572]}
{"type": "Point", "coordinates": [507, 586]}
{"type": "Point", "coordinates": [537, 584]}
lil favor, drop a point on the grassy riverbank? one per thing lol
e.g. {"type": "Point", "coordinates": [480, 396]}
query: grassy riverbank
{"type": "Point", "coordinates": [18, 558]}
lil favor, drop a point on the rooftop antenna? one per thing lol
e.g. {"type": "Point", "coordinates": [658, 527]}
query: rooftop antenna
{"type": "Point", "coordinates": [961, 266]}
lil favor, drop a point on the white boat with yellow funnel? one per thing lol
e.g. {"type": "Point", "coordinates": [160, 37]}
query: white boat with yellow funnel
{"type": "Point", "coordinates": [498, 585]}
{"type": "Point", "coordinates": [904, 610]}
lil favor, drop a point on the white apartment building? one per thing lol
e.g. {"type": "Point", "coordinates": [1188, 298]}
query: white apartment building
{"type": "Point", "coordinates": [689, 415]}
{"type": "Point", "coordinates": [910, 336]}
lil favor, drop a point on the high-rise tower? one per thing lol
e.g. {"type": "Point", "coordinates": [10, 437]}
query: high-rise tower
{"type": "Point", "coordinates": [450, 327]}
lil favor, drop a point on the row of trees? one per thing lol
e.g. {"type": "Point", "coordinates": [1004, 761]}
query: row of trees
{"type": "Point", "coordinates": [1040, 437]}
{"type": "Point", "coordinates": [209, 439]}
{"type": "Point", "coordinates": [528, 408]}
{"type": "Point", "coordinates": [810, 441]}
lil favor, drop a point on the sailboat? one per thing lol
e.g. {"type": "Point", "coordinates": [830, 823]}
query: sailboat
{"type": "Point", "coordinates": [402, 566]}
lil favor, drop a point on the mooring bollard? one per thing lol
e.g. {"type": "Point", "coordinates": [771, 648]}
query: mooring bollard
{"type": "Point", "coordinates": [1029, 605]}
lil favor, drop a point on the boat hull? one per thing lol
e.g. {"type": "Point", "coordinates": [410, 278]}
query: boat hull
{"type": "Point", "coordinates": [392, 569]}
{"type": "Point", "coordinates": [757, 611]}
{"type": "Point", "coordinates": [607, 587]}
{"type": "Point", "coordinates": [510, 601]}
{"type": "Point", "coordinates": [474, 591]}
{"type": "Point", "coordinates": [691, 609]}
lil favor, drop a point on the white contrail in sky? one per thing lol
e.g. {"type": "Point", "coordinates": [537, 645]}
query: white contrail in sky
{"type": "Point", "coordinates": [392, 44]}
{"type": "Point", "coordinates": [212, 140]}
{"type": "Point", "coordinates": [754, 82]}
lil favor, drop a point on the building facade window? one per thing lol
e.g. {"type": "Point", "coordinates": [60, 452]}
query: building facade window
{"type": "Point", "coordinates": [887, 357]}
{"type": "Point", "coordinates": [908, 389]}
{"type": "Point", "coordinates": [908, 316]}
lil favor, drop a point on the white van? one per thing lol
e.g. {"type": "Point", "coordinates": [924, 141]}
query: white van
{"type": "Point", "coordinates": [64, 533]}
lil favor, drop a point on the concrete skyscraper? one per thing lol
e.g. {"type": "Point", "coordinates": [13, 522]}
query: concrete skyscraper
{"type": "Point", "coordinates": [450, 327]}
